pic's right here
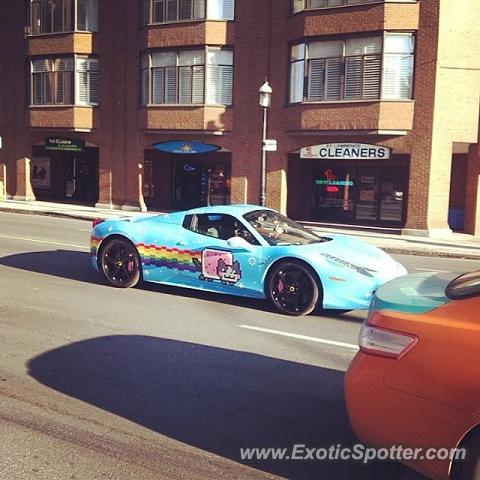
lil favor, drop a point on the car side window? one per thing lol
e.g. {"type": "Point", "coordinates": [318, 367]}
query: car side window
{"type": "Point", "coordinates": [219, 226]}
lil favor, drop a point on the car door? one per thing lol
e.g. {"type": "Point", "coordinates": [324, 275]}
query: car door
{"type": "Point", "coordinates": [227, 256]}
{"type": "Point", "coordinates": [162, 258]}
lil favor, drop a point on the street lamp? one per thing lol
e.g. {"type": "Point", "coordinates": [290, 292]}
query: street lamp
{"type": "Point", "coordinates": [265, 92]}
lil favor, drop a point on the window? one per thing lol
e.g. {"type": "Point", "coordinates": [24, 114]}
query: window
{"type": "Point", "coordinates": [162, 11]}
{"type": "Point", "coordinates": [64, 81]}
{"type": "Point", "coordinates": [87, 15]}
{"type": "Point", "coordinates": [87, 81]}
{"type": "Point", "coordinates": [219, 226]}
{"type": "Point", "coordinates": [219, 76]}
{"type": "Point", "coordinates": [277, 229]}
{"type": "Point", "coordinates": [398, 66]}
{"type": "Point", "coordinates": [352, 69]}
{"type": "Point", "coordinates": [185, 78]}
{"type": "Point", "coordinates": [300, 5]}
{"type": "Point", "coordinates": [50, 16]}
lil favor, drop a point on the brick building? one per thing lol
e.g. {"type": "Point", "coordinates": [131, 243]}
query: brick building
{"type": "Point", "coordinates": [154, 103]}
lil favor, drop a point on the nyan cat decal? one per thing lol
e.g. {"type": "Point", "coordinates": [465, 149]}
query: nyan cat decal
{"type": "Point", "coordinates": [218, 265]}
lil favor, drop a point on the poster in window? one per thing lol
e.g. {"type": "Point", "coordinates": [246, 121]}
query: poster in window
{"type": "Point", "coordinates": [367, 195]}
{"type": "Point", "coordinates": [40, 173]}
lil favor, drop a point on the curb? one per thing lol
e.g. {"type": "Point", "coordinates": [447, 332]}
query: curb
{"type": "Point", "coordinates": [75, 216]}
{"type": "Point", "coordinates": [391, 250]}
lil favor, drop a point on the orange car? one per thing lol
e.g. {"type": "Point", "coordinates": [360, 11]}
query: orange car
{"type": "Point", "coordinates": [415, 383]}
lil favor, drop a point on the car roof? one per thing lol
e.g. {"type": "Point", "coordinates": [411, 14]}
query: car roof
{"type": "Point", "coordinates": [236, 210]}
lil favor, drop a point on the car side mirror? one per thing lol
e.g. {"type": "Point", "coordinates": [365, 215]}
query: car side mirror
{"type": "Point", "coordinates": [239, 244]}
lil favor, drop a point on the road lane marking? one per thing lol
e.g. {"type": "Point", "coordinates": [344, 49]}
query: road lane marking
{"type": "Point", "coordinates": [431, 270]}
{"type": "Point", "coordinates": [34, 240]}
{"type": "Point", "coordinates": [301, 337]}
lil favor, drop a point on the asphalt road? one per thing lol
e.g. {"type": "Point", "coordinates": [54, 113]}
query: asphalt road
{"type": "Point", "coordinates": [157, 382]}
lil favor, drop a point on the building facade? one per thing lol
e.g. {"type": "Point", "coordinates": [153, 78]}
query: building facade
{"type": "Point", "coordinates": [138, 104]}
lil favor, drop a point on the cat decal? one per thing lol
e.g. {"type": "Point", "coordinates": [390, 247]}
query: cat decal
{"type": "Point", "coordinates": [218, 265]}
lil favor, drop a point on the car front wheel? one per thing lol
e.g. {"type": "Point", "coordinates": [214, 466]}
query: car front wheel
{"type": "Point", "coordinates": [292, 288]}
{"type": "Point", "coordinates": [120, 263]}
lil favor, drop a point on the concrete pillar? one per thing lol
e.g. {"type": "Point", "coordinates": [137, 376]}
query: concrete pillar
{"type": "Point", "coordinates": [134, 200]}
{"type": "Point", "coordinates": [239, 188]}
{"type": "Point", "coordinates": [429, 189]}
{"type": "Point", "coordinates": [3, 181]}
{"type": "Point", "coordinates": [105, 188]}
{"type": "Point", "coordinates": [277, 181]}
{"type": "Point", "coordinates": [472, 193]}
{"type": "Point", "coordinates": [24, 190]}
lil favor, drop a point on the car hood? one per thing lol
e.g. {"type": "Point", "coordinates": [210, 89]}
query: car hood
{"type": "Point", "coordinates": [356, 251]}
{"type": "Point", "coordinates": [415, 293]}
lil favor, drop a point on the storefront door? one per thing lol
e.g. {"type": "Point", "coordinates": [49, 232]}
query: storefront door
{"type": "Point", "coordinates": [358, 194]}
{"type": "Point", "coordinates": [198, 183]}
{"type": "Point", "coordinates": [80, 179]}
{"type": "Point", "coordinates": [333, 193]}
{"type": "Point", "coordinates": [367, 188]}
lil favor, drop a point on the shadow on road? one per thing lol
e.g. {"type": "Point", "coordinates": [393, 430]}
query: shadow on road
{"type": "Point", "coordinates": [214, 399]}
{"type": "Point", "coordinates": [75, 265]}
{"type": "Point", "coordinates": [69, 264]}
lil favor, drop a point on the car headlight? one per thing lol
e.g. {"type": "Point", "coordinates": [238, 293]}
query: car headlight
{"type": "Point", "coordinates": [344, 263]}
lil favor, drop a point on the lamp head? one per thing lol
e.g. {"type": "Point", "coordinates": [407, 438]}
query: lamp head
{"type": "Point", "coordinates": [265, 92]}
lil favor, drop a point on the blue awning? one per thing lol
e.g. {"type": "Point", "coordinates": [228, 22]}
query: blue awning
{"type": "Point", "coordinates": [185, 147]}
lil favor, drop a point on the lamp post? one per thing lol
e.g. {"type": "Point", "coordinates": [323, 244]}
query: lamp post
{"type": "Point", "coordinates": [265, 92]}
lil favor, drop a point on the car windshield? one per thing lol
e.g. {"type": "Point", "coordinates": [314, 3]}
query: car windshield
{"type": "Point", "coordinates": [466, 285]}
{"type": "Point", "coordinates": [277, 229]}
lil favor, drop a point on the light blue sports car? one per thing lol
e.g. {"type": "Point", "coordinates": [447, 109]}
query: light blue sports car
{"type": "Point", "coordinates": [242, 250]}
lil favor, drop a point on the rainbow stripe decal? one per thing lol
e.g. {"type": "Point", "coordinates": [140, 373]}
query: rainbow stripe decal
{"type": "Point", "coordinates": [94, 243]}
{"type": "Point", "coordinates": [174, 258]}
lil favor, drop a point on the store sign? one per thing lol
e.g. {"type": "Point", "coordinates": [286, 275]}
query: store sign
{"type": "Point", "coordinates": [346, 151]}
{"type": "Point", "coordinates": [341, 183]}
{"type": "Point", "coordinates": [186, 148]}
{"type": "Point", "coordinates": [269, 145]}
{"type": "Point", "coordinates": [65, 144]}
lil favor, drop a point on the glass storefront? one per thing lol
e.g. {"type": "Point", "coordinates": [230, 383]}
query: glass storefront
{"type": "Point", "coordinates": [65, 175]}
{"type": "Point", "coordinates": [183, 181]}
{"type": "Point", "coordinates": [198, 184]}
{"type": "Point", "coordinates": [349, 192]}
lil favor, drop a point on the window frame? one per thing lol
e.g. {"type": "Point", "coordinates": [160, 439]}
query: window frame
{"type": "Point", "coordinates": [189, 220]}
{"type": "Point", "coordinates": [74, 82]}
{"type": "Point", "coordinates": [89, 60]}
{"type": "Point", "coordinates": [306, 5]}
{"type": "Point", "coordinates": [72, 6]}
{"type": "Point", "coordinates": [147, 82]}
{"type": "Point", "coordinates": [382, 55]}
{"type": "Point", "coordinates": [147, 13]}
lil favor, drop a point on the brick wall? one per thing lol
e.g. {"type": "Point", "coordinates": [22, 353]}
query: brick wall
{"type": "Point", "coordinates": [444, 110]}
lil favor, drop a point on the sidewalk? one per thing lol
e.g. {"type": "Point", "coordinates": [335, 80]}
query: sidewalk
{"type": "Point", "coordinates": [458, 245]}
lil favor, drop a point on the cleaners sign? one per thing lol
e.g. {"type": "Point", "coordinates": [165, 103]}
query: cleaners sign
{"type": "Point", "coordinates": [346, 151]}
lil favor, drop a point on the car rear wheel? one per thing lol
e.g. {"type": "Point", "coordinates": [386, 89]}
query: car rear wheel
{"type": "Point", "coordinates": [120, 263]}
{"type": "Point", "coordinates": [292, 288]}
{"type": "Point", "coordinates": [470, 469]}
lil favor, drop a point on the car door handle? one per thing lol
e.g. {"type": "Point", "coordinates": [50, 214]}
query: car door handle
{"type": "Point", "coordinates": [180, 243]}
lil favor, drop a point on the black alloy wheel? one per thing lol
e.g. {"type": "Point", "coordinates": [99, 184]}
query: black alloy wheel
{"type": "Point", "coordinates": [292, 288]}
{"type": "Point", "coordinates": [120, 263]}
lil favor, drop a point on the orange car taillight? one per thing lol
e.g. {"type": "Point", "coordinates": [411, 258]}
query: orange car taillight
{"type": "Point", "coordinates": [386, 343]}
